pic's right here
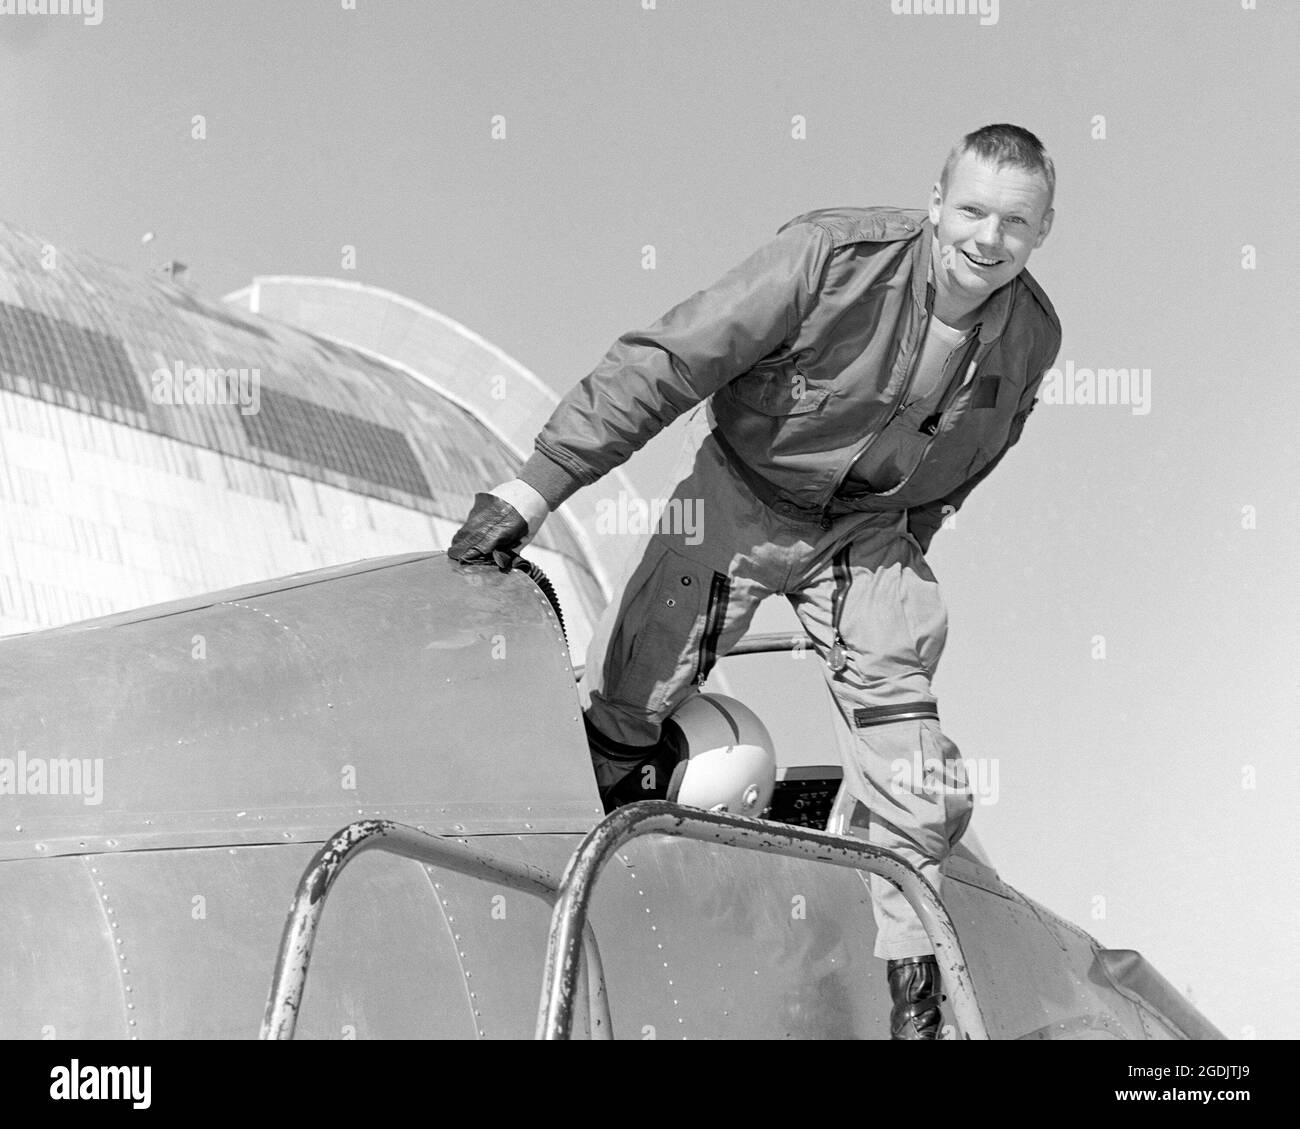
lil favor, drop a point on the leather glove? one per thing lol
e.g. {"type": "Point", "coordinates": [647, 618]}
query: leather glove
{"type": "Point", "coordinates": [501, 523]}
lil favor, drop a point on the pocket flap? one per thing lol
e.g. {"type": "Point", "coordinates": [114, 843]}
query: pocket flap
{"type": "Point", "coordinates": [783, 392]}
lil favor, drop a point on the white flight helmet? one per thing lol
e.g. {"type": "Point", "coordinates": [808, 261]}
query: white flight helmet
{"type": "Point", "coordinates": [730, 765]}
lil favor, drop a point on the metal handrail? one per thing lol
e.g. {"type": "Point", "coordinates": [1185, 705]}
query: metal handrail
{"type": "Point", "coordinates": [648, 817]}
{"type": "Point", "coordinates": [290, 978]}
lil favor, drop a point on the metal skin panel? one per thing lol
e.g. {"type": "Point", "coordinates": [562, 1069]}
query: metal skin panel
{"type": "Point", "coordinates": [697, 942]}
{"type": "Point", "coordinates": [58, 971]}
{"type": "Point", "coordinates": [707, 942]}
{"type": "Point", "coordinates": [500, 935]}
{"type": "Point", "coordinates": [194, 935]}
{"type": "Point", "coordinates": [1164, 1009]}
{"type": "Point", "coordinates": [449, 694]}
{"type": "Point", "coordinates": [402, 947]}
{"type": "Point", "coordinates": [285, 710]}
{"type": "Point", "coordinates": [1035, 980]}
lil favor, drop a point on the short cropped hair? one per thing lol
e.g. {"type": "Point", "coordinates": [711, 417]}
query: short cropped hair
{"type": "Point", "coordinates": [1001, 145]}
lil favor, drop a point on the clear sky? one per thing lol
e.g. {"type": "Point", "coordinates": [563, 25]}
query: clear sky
{"type": "Point", "coordinates": [1148, 794]}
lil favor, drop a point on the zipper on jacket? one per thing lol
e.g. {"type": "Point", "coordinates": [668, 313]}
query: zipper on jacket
{"type": "Point", "coordinates": [897, 406]}
{"type": "Point", "coordinates": [951, 392]}
{"type": "Point", "coordinates": [954, 387]}
{"type": "Point", "coordinates": [715, 616]}
{"type": "Point", "coordinates": [837, 658]}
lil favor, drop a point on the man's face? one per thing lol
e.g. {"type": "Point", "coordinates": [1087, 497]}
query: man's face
{"type": "Point", "coordinates": [986, 225]}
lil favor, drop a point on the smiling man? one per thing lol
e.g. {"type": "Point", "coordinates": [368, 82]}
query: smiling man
{"type": "Point", "coordinates": [992, 219]}
{"type": "Point", "coordinates": [856, 378]}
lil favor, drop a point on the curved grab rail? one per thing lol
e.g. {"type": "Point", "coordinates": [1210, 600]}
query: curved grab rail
{"type": "Point", "coordinates": [658, 817]}
{"type": "Point", "coordinates": [294, 958]}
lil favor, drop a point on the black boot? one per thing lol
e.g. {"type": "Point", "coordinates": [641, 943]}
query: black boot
{"type": "Point", "coordinates": [627, 773]}
{"type": "Point", "coordinates": [914, 987]}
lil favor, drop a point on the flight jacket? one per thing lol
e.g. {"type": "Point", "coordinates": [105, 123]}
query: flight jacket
{"type": "Point", "coordinates": [807, 349]}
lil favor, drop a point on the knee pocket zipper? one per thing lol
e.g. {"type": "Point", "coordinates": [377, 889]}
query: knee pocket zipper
{"type": "Point", "coordinates": [837, 657]}
{"type": "Point", "coordinates": [715, 616]}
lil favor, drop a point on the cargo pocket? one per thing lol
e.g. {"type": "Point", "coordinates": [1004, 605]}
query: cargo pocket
{"type": "Point", "coordinates": [949, 779]}
{"type": "Point", "coordinates": [905, 774]}
{"type": "Point", "coordinates": [671, 626]}
{"type": "Point", "coordinates": [923, 607]}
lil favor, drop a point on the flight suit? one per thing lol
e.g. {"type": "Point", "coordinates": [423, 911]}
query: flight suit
{"type": "Point", "coordinates": [796, 364]}
{"type": "Point", "coordinates": [871, 608]}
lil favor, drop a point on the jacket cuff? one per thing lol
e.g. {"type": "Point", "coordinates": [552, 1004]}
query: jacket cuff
{"type": "Point", "coordinates": [549, 479]}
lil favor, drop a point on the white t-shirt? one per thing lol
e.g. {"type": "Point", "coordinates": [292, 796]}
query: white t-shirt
{"type": "Point", "coordinates": [895, 452]}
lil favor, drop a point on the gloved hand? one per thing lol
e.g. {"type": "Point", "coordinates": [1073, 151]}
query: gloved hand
{"type": "Point", "coordinates": [501, 523]}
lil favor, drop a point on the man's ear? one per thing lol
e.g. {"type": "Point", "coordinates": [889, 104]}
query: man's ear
{"type": "Point", "coordinates": [1044, 227]}
{"type": "Point", "coordinates": [936, 203]}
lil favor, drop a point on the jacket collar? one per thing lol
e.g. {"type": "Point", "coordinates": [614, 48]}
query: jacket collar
{"type": "Point", "coordinates": [996, 311]}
